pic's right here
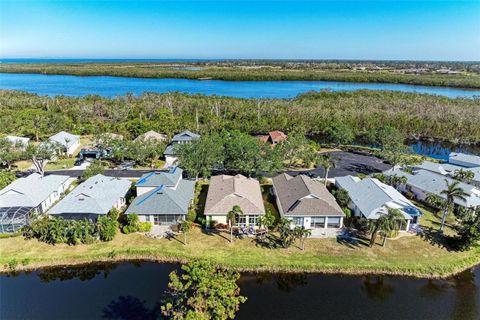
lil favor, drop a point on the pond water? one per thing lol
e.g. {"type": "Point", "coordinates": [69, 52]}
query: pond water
{"type": "Point", "coordinates": [441, 150]}
{"type": "Point", "coordinates": [133, 291]}
{"type": "Point", "coordinates": [118, 86]}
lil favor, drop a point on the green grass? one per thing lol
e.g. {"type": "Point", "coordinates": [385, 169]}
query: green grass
{"type": "Point", "coordinates": [60, 164]}
{"type": "Point", "coordinates": [407, 255]}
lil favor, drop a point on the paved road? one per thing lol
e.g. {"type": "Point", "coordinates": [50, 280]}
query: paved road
{"type": "Point", "coordinates": [349, 163]}
{"type": "Point", "coordinates": [346, 163]}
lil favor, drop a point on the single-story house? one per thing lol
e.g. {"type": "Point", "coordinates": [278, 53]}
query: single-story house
{"type": "Point", "coordinates": [464, 160]}
{"type": "Point", "coordinates": [33, 194]}
{"type": "Point", "coordinates": [449, 169]}
{"type": "Point", "coordinates": [370, 198]}
{"type": "Point", "coordinates": [93, 198]}
{"type": "Point", "coordinates": [422, 183]}
{"type": "Point", "coordinates": [178, 139]}
{"type": "Point", "coordinates": [152, 135]}
{"type": "Point", "coordinates": [163, 198]}
{"type": "Point", "coordinates": [69, 141]}
{"type": "Point", "coordinates": [18, 141]}
{"type": "Point", "coordinates": [273, 137]}
{"type": "Point", "coordinates": [307, 203]}
{"type": "Point", "coordinates": [226, 191]}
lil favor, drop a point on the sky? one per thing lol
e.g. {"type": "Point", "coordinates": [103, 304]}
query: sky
{"type": "Point", "coordinates": [388, 30]}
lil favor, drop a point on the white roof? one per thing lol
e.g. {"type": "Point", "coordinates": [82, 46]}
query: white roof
{"type": "Point", "coordinates": [471, 160]}
{"type": "Point", "coordinates": [97, 195]}
{"type": "Point", "coordinates": [65, 139]}
{"type": "Point", "coordinates": [16, 139]}
{"type": "Point", "coordinates": [30, 191]}
{"type": "Point", "coordinates": [447, 169]}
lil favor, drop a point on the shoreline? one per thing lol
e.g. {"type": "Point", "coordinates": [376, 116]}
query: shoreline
{"type": "Point", "coordinates": [177, 260]}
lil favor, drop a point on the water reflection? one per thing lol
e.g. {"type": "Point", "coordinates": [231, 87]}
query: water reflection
{"type": "Point", "coordinates": [81, 272]}
{"type": "Point", "coordinates": [376, 289]}
{"type": "Point", "coordinates": [130, 308]}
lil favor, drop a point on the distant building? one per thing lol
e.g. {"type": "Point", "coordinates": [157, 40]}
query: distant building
{"type": "Point", "coordinates": [18, 141]}
{"type": "Point", "coordinates": [370, 198]}
{"type": "Point", "coordinates": [273, 137]}
{"type": "Point", "coordinates": [93, 198]}
{"type": "Point", "coordinates": [306, 202]}
{"type": "Point", "coordinates": [163, 198]}
{"type": "Point", "coordinates": [225, 192]}
{"type": "Point", "coordinates": [464, 160]}
{"type": "Point", "coordinates": [152, 135]}
{"type": "Point", "coordinates": [32, 194]}
{"type": "Point", "coordinates": [178, 139]}
{"type": "Point", "coordinates": [69, 141]}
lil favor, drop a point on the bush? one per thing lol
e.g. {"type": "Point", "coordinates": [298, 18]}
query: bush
{"type": "Point", "coordinates": [132, 224]}
{"type": "Point", "coordinates": [107, 228]}
{"type": "Point", "coordinates": [144, 227]}
{"type": "Point", "coordinates": [191, 215]}
{"type": "Point", "coordinates": [348, 212]}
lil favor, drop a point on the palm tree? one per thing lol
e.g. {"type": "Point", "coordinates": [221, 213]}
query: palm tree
{"type": "Point", "coordinates": [326, 161]}
{"type": "Point", "coordinates": [387, 223]}
{"type": "Point", "coordinates": [452, 192]}
{"type": "Point", "coordinates": [302, 234]}
{"type": "Point", "coordinates": [232, 218]}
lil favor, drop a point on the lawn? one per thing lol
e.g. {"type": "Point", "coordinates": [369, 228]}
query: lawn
{"type": "Point", "coordinates": [60, 164]}
{"type": "Point", "coordinates": [407, 255]}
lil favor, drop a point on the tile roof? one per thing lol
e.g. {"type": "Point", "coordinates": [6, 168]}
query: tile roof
{"type": "Point", "coordinates": [97, 195]}
{"type": "Point", "coordinates": [158, 178]}
{"type": "Point", "coordinates": [164, 200]}
{"type": "Point", "coordinates": [372, 197]}
{"type": "Point", "coordinates": [226, 191]}
{"type": "Point", "coordinates": [277, 136]}
{"type": "Point", "coordinates": [30, 191]}
{"type": "Point", "coordinates": [302, 196]}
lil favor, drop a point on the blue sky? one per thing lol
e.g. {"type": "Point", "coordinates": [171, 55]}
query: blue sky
{"type": "Point", "coordinates": [419, 30]}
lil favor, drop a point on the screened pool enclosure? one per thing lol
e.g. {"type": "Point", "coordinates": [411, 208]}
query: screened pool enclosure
{"type": "Point", "coordinates": [13, 218]}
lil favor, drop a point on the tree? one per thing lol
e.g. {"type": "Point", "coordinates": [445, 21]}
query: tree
{"type": "Point", "coordinates": [326, 161]}
{"type": "Point", "coordinates": [232, 218]}
{"type": "Point", "coordinates": [452, 192]}
{"type": "Point", "coordinates": [468, 233]}
{"type": "Point", "coordinates": [287, 234]}
{"type": "Point", "coordinates": [302, 234]}
{"type": "Point", "coordinates": [241, 153]}
{"type": "Point", "coordinates": [339, 133]}
{"type": "Point", "coordinates": [107, 228]}
{"type": "Point", "coordinates": [435, 201]}
{"type": "Point", "coordinates": [40, 154]}
{"type": "Point", "coordinates": [386, 223]}
{"type": "Point", "coordinates": [9, 152]}
{"type": "Point", "coordinates": [267, 220]}
{"type": "Point", "coordinates": [96, 167]}
{"type": "Point", "coordinates": [342, 197]}
{"type": "Point", "coordinates": [202, 291]}
{"type": "Point", "coordinates": [186, 226]}
{"type": "Point", "coordinates": [464, 175]}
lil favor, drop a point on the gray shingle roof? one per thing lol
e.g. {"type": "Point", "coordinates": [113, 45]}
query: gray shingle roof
{"type": "Point", "coordinates": [472, 160]}
{"type": "Point", "coordinates": [447, 169]}
{"type": "Point", "coordinates": [302, 196]}
{"type": "Point", "coordinates": [158, 178]}
{"type": "Point", "coordinates": [152, 135]}
{"type": "Point", "coordinates": [226, 191]}
{"type": "Point", "coordinates": [372, 197]}
{"type": "Point", "coordinates": [164, 200]}
{"type": "Point", "coordinates": [185, 136]}
{"type": "Point", "coordinates": [431, 182]}
{"type": "Point", "coordinates": [170, 150]}
{"type": "Point", "coordinates": [62, 137]}
{"type": "Point", "coordinates": [97, 195]}
{"type": "Point", "coordinates": [30, 191]}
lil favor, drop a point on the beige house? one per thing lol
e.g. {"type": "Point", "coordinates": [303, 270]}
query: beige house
{"type": "Point", "coordinates": [152, 135]}
{"type": "Point", "coordinates": [225, 192]}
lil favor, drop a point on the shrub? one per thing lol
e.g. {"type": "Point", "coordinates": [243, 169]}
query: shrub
{"type": "Point", "coordinates": [144, 227]}
{"type": "Point", "coordinates": [107, 228]}
{"type": "Point", "coordinates": [132, 224]}
{"type": "Point", "coordinates": [191, 215]}
{"type": "Point", "coordinates": [348, 212]}
{"type": "Point", "coordinates": [12, 264]}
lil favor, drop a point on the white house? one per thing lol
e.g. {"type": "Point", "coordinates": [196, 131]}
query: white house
{"type": "Point", "coordinates": [93, 198]}
{"type": "Point", "coordinates": [370, 198]}
{"type": "Point", "coordinates": [69, 141]}
{"type": "Point", "coordinates": [307, 203]}
{"type": "Point", "coordinates": [18, 141]}
{"type": "Point", "coordinates": [178, 139]}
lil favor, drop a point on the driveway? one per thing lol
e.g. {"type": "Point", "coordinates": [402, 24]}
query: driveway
{"type": "Point", "coordinates": [349, 163]}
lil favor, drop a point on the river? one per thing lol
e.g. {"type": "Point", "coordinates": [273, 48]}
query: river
{"type": "Point", "coordinates": [117, 86]}
{"type": "Point", "coordinates": [133, 291]}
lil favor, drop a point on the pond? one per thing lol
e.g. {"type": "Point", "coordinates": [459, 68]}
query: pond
{"type": "Point", "coordinates": [118, 86]}
{"type": "Point", "coordinates": [134, 290]}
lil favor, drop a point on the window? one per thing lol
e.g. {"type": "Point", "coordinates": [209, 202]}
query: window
{"type": "Point", "coordinates": [147, 218]}
{"type": "Point", "coordinates": [298, 221]}
{"type": "Point", "coordinates": [333, 222]}
{"type": "Point", "coordinates": [318, 222]}
{"type": "Point", "coordinates": [241, 220]}
{"type": "Point", "coordinates": [252, 220]}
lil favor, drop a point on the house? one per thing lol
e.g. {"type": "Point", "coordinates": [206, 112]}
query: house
{"type": "Point", "coordinates": [68, 141]}
{"type": "Point", "coordinates": [422, 183]}
{"type": "Point", "coordinates": [178, 139]}
{"type": "Point", "coordinates": [225, 192]}
{"type": "Point", "coordinates": [33, 194]}
{"type": "Point", "coordinates": [449, 169]}
{"type": "Point", "coordinates": [464, 160]}
{"type": "Point", "coordinates": [306, 202]}
{"type": "Point", "coordinates": [370, 198]}
{"type": "Point", "coordinates": [152, 135]}
{"type": "Point", "coordinates": [18, 141]}
{"type": "Point", "coordinates": [163, 198]}
{"type": "Point", "coordinates": [93, 198]}
{"type": "Point", "coordinates": [273, 137]}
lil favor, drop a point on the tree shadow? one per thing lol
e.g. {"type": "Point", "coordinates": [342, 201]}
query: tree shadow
{"type": "Point", "coordinates": [130, 308]}
{"type": "Point", "coordinates": [376, 289]}
{"type": "Point", "coordinates": [215, 232]}
{"type": "Point", "coordinates": [353, 240]}
{"type": "Point", "coordinates": [437, 238]}
{"type": "Point", "coordinates": [269, 241]}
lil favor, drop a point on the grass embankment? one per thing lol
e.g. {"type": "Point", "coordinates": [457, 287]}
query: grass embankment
{"type": "Point", "coordinates": [408, 255]}
{"type": "Point", "coordinates": [244, 73]}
